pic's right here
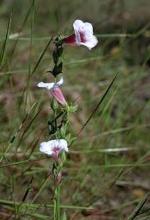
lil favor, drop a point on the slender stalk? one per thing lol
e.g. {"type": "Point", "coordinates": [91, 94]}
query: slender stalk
{"type": "Point", "coordinates": [58, 127]}
{"type": "Point", "coordinates": [57, 213]}
{"type": "Point", "coordinates": [57, 191]}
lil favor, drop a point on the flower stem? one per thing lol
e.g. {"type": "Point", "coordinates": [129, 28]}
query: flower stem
{"type": "Point", "coordinates": [57, 194]}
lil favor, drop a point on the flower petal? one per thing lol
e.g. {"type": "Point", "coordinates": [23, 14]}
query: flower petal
{"type": "Point", "coordinates": [84, 34]}
{"type": "Point", "coordinates": [45, 148]}
{"type": "Point", "coordinates": [92, 42]}
{"type": "Point", "coordinates": [63, 144]}
{"type": "Point", "coordinates": [54, 147]}
{"type": "Point", "coordinates": [78, 24]}
{"type": "Point", "coordinates": [60, 82]}
{"type": "Point", "coordinates": [88, 28]}
{"type": "Point", "coordinates": [46, 85]}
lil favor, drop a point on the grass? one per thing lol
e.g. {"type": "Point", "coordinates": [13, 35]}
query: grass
{"type": "Point", "coordinates": [113, 148]}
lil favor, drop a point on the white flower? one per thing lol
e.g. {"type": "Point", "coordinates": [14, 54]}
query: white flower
{"type": "Point", "coordinates": [55, 90]}
{"type": "Point", "coordinates": [52, 85]}
{"type": "Point", "coordinates": [54, 147]}
{"type": "Point", "coordinates": [83, 35]}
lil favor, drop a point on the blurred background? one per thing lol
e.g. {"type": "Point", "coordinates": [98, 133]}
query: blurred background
{"type": "Point", "coordinates": [107, 169]}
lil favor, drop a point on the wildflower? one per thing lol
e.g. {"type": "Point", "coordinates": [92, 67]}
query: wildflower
{"type": "Point", "coordinates": [55, 90]}
{"type": "Point", "coordinates": [83, 35]}
{"type": "Point", "coordinates": [54, 147]}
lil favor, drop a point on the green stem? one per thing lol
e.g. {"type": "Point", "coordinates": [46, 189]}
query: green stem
{"type": "Point", "coordinates": [57, 193]}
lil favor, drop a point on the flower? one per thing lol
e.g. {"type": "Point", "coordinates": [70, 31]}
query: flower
{"type": "Point", "coordinates": [55, 90]}
{"type": "Point", "coordinates": [54, 147]}
{"type": "Point", "coordinates": [83, 35]}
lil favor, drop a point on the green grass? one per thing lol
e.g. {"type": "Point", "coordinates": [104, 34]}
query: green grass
{"type": "Point", "coordinates": [114, 144]}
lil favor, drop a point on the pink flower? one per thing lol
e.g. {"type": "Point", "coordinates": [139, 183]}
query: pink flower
{"type": "Point", "coordinates": [83, 35]}
{"type": "Point", "coordinates": [54, 147]}
{"type": "Point", "coordinates": [55, 90]}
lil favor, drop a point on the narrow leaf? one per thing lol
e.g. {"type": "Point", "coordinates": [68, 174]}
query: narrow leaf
{"type": "Point", "coordinates": [64, 217]}
{"type": "Point", "coordinates": [98, 105]}
{"type": "Point", "coordinates": [41, 56]}
{"type": "Point", "coordinates": [3, 50]}
{"type": "Point", "coordinates": [137, 210]}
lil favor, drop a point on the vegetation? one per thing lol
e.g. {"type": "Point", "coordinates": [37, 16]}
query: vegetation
{"type": "Point", "coordinates": [106, 174]}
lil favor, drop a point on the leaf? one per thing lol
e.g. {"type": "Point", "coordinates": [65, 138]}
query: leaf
{"type": "Point", "coordinates": [98, 105]}
{"type": "Point", "coordinates": [64, 217]}
{"type": "Point", "coordinates": [55, 56]}
{"type": "Point", "coordinates": [137, 210]}
{"type": "Point", "coordinates": [41, 56]}
{"type": "Point", "coordinates": [60, 51]}
{"type": "Point", "coordinates": [57, 69]}
{"type": "Point", "coordinates": [3, 50]}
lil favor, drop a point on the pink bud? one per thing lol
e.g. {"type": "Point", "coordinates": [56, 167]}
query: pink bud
{"type": "Point", "coordinates": [58, 95]}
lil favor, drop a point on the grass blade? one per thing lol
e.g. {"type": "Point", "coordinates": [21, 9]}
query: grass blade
{"type": "Point", "coordinates": [3, 50]}
{"type": "Point", "coordinates": [41, 56]}
{"type": "Point", "coordinates": [137, 210]}
{"type": "Point", "coordinates": [98, 105]}
{"type": "Point", "coordinates": [20, 30]}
